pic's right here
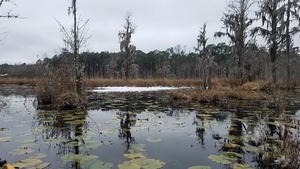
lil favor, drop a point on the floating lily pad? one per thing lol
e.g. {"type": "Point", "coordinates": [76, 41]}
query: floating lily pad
{"type": "Point", "coordinates": [241, 166]}
{"type": "Point", "coordinates": [21, 150]}
{"type": "Point", "coordinates": [146, 163]}
{"type": "Point", "coordinates": [200, 167]}
{"type": "Point", "coordinates": [27, 163]}
{"type": "Point", "coordinates": [219, 159]}
{"type": "Point", "coordinates": [3, 130]}
{"type": "Point", "coordinates": [41, 166]}
{"type": "Point", "coordinates": [135, 148]}
{"type": "Point", "coordinates": [78, 157]}
{"type": "Point", "coordinates": [97, 164]}
{"type": "Point", "coordinates": [93, 144]}
{"type": "Point", "coordinates": [250, 148]}
{"type": "Point", "coordinates": [153, 140]}
{"type": "Point", "coordinates": [134, 155]}
{"type": "Point", "coordinates": [128, 164]}
{"type": "Point", "coordinates": [5, 139]}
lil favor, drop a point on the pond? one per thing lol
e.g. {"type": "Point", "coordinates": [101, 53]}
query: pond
{"type": "Point", "coordinates": [148, 130]}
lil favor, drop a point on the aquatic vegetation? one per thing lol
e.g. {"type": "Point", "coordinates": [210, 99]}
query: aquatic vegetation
{"type": "Point", "coordinates": [200, 167]}
{"type": "Point", "coordinates": [154, 140]}
{"type": "Point", "coordinates": [78, 157]}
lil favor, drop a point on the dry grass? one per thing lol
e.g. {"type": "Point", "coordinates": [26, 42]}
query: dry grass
{"type": "Point", "coordinates": [19, 81]}
{"type": "Point", "coordinates": [226, 89]}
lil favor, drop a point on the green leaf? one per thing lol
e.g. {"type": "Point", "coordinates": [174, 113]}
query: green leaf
{"type": "Point", "coordinates": [251, 149]}
{"type": "Point", "coordinates": [21, 151]}
{"type": "Point", "coordinates": [148, 163]}
{"type": "Point", "coordinates": [77, 157]}
{"type": "Point", "coordinates": [5, 139]}
{"type": "Point", "coordinates": [134, 155]}
{"type": "Point", "coordinates": [219, 159]}
{"type": "Point", "coordinates": [128, 164]}
{"type": "Point", "coordinates": [241, 166]}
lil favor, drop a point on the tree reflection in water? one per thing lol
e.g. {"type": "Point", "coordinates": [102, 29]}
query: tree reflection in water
{"type": "Point", "coordinates": [66, 128]}
{"type": "Point", "coordinates": [127, 120]}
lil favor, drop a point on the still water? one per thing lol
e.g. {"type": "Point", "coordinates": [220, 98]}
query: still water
{"type": "Point", "coordinates": [146, 130]}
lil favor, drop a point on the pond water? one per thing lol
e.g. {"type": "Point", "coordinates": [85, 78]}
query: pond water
{"type": "Point", "coordinates": [148, 130]}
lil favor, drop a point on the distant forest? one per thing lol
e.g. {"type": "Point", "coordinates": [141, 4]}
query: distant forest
{"type": "Point", "coordinates": [174, 62]}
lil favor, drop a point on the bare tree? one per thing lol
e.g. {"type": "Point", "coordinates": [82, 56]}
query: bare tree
{"type": "Point", "coordinates": [271, 13]}
{"type": "Point", "coordinates": [76, 38]}
{"type": "Point", "coordinates": [127, 51]}
{"type": "Point", "coordinates": [236, 24]}
{"type": "Point", "coordinates": [7, 14]}
{"type": "Point", "coordinates": [204, 57]}
{"type": "Point", "coordinates": [292, 14]}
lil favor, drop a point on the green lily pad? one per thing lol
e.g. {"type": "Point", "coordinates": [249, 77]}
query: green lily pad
{"type": "Point", "coordinates": [135, 148]}
{"type": "Point", "coordinates": [251, 149]}
{"type": "Point", "coordinates": [27, 163]}
{"type": "Point", "coordinates": [93, 144]}
{"type": "Point", "coordinates": [3, 130]}
{"type": "Point", "coordinates": [146, 163]}
{"type": "Point", "coordinates": [219, 159]}
{"type": "Point", "coordinates": [153, 140]}
{"type": "Point", "coordinates": [241, 166]}
{"type": "Point", "coordinates": [77, 157]}
{"type": "Point", "coordinates": [5, 139]}
{"type": "Point", "coordinates": [128, 164]}
{"type": "Point", "coordinates": [97, 164]}
{"type": "Point", "coordinates": [200, 167]}
{"type": "Point", "coordinates": [20, 151]}
{"type": "Point", "coordinates": [134, 155]}
{"type": "Point", "coordinates": [43, 165]}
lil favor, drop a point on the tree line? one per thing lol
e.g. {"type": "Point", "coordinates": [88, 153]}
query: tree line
{"type": "Point", "coordinates": [173, 62]}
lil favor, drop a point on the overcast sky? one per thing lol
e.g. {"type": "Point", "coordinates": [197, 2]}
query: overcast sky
{"type": "Point", "coordinates": [161, 24]}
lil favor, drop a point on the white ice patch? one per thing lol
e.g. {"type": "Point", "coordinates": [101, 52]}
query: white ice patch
{"type": "Point", "coordinates": [133, 89]}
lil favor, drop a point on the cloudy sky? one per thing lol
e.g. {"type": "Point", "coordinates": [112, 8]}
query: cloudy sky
{"type": "Point", "coordinates": [161, 24]}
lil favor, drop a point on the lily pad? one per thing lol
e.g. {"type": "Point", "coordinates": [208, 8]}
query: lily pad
{"type": "Point", "coordinates": [153, 140]}
{"type": "Point", "coordinates": [93, 144]}
{"type": "Point", "coordinates": [77, 157]}
{"type": "Point", "coordinates": [27, 163]}
{"type": "Point", "coordinates": [134, 155]}
{"type": "Point", "coordinates": [43, 165]}
{"type": "Point", "coordinates": [219, 159]}
{"type": "Point", "coordinates": [250, 148]}
{"type": "Point", "coordinates": [146, 163]}
{"type": "Point", "coordinates": [20, 151]}
{"type": "Point", "coordinates": [135, 148]}
{"type": "Point", "coordinates": [128, 164]}
{"type": "Point", "coordinates": [5, 139]}
{"type": "Point", "coordinates": [200, 167]}
{"type": "Point", "coordinates": [241, 166]}
{"type": "Point", "coordinates": [96, 164]}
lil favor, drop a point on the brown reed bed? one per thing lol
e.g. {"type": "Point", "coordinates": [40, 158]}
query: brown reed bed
{"type": "Point", "coordinates": [18, 81]}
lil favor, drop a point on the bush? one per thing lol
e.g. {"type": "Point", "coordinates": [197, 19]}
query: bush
{"type": "Point", "coordinates": [56, 90]}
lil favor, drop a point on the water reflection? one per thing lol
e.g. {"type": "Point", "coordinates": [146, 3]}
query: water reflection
{"type": "Point", "coordinates": [126, 121]}
{"type": "Point", "coordinates": [63, 130]}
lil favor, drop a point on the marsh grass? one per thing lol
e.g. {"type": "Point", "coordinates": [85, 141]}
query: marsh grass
{"type": "Point", "coordinates": [19, 81]}
{"type": "Point", "coordinates": [226, 89]}
{"type": "Point", "coordinates": [56, 90]}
